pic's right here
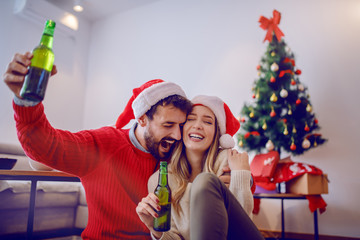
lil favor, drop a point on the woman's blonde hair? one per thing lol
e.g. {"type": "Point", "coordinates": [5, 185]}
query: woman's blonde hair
{"type": "Point", "coordinates": [181, 170]}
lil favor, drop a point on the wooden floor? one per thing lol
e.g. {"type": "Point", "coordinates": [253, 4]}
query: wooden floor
{"type": "Point", "coordinates": [66, 238]}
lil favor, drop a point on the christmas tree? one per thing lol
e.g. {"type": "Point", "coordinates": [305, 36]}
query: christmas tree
{"type": "Point", "coordinates": [281, 116]}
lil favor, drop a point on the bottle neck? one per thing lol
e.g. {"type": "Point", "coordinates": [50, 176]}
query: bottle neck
{"type": "Point", "coordinates": [47, 40]}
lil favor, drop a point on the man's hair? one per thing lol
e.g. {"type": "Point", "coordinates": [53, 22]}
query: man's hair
{"type": "Point", "coordinates": [177, 101]}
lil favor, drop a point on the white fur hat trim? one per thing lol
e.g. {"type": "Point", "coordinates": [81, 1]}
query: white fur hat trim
{"type": "Point", "coordinates": [153, 94]}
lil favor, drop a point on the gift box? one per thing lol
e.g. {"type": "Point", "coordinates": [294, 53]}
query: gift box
{"type": "Point", "coordinates": [263, 165]}
{"type": "Point", "coordinates": [308, 184]}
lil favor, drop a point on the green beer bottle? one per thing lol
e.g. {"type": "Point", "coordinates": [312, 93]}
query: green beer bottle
{"type": "Point", "coordinates": [163, 192]}
{"type": "Point", "coordinates": [41, 65]}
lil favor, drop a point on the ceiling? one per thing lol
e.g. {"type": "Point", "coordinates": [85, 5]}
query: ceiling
{"type": "Point", "coordinates": [96, 9]}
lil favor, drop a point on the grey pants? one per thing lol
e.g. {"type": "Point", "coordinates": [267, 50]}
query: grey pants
{"type": "Point", "coordinates": [216, 214]}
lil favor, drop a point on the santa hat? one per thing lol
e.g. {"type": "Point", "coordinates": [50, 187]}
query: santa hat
{"type": "Point", "coordinates": [228, 124]}
{"type": "Point", "coordinates": [144, 97]}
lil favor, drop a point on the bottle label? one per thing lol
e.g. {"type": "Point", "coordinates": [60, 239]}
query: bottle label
{"type": "Point", "coordinates": [163, 222]}
{"type": "Point", "coordinates": [35, 84]}
{"type": "Point", "coordinates": [43, 58]}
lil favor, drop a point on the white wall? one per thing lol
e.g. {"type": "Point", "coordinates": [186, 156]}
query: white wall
{"type": "Point", "coordinates": [64, 100]}
{"type": "Point", "coordinates": [212, 47]}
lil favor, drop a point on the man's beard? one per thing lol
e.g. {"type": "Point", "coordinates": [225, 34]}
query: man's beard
{"type": "Point", "coordinates": [153, 146]}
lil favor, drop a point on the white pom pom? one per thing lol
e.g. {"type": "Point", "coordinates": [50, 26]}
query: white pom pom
{"type": "Point", "coordinates": [227, 141]}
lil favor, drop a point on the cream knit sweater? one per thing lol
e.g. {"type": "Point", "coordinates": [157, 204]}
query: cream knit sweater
{"type": "Point", "coordinates": [239, 186]}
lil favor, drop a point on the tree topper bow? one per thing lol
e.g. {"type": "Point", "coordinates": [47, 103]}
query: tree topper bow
{"type": "Point", "coordinates": [271, 25]}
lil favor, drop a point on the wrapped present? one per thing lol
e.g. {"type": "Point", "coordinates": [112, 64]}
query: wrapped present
{"type": "Point", "coordinates": [263, 165]}
{"type": "Point", "coordinates": [308, 184]}
{"type": "Point", "coordinates": [300, 178]}
{"type": "Point", "coordinates": [287, 170]}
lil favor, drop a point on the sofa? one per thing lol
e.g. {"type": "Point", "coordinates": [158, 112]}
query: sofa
{"type": "Point", "coordinates": [60, 207]}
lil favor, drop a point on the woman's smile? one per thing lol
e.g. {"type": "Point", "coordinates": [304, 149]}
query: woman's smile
{"type": "Point", "coordinates": [196, 137]}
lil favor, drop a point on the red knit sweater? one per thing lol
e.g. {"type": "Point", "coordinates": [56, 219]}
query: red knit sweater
{"type": "Point", "coordinates": [113, 172]}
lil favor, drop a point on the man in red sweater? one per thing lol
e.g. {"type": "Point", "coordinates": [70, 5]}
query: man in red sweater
{"type": "Point", "coordinates": [114, 164]}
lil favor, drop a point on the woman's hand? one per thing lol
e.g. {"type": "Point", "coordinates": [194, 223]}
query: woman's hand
{"type": "Point", "coordinates": [226, 176]}
{"type": "Point", "coordinates": [146, 212]}
{"type": "Point", "coordinates": [238, 161]}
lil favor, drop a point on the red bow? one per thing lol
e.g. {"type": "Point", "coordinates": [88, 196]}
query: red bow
{"type": "Point", "coordinates": [271, 25]}
{"type": "Point", "coordinates": [282, 72]}
{"type": "Point", "coordinates": [287, 60]}
{"type": "Point", "coordinates": [254, 133]}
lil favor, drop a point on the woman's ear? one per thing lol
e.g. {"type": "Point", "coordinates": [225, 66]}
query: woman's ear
{"type": "Point", "coordinates": [143, 120]}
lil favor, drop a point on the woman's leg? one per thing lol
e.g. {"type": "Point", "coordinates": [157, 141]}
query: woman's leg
{"type": "Point", "coordinates": [215, 213]}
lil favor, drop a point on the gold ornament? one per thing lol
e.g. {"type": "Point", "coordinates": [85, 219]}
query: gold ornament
{"type": "Point", "coordinates": [286, 132]}
{"type": "Point", "coordinates": [315, 143]}
{"type": "Point", "coordinates": [264, 126]}
{"type": "Point", "coordinates": [273, 54]}
{"type": "Point", "coordinates": [308, 108]}
{"type": "Point", "coordinates": [241, 144]}
{"type": "Point", "coordinates": [289, 112]}
{"type": "Point", "coordinates": [257, 94]}
{"type": "Point", "coordinates": [251, 115]}
{"type": "Point", "coordinates": [273, 97]}
{"type": "Point", "coordinates": [294, 129]}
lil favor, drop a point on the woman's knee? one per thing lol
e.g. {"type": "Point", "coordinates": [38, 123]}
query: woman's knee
{"type": "Point", "coordinates": [204, 182]}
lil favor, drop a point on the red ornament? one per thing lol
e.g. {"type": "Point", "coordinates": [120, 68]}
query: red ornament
{"type": "Point", "coordinates": [298, 102]}
{"type": "Point", "coordinates": [306, 128]}
{"type": "Point", "coordinates": [272, 79]}
{"type": "Point", "coordinates": [247, 135]}
{"type": "Point", "coordinates": [316, 121]}
{"type": "Point", "coordinates": [258, 67]}
{"type": "Point", "coordinates": [293, 147]}
{"type": "Point", "coordinates": [242, 119]}
{"type": "Point", "coordinates": [293, 82]}
{"type": "Point", "coordinates": [253, 96]}
{"type": "Point", "coordinates": [285, 120]}
{"type": "Point", "coordinates": [298, 72]}
{"type": "Point", "coordinates": [273, 113]}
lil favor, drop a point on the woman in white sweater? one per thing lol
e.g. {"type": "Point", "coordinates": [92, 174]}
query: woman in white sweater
{"type": "Point", "coordinates": [202, 206]}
